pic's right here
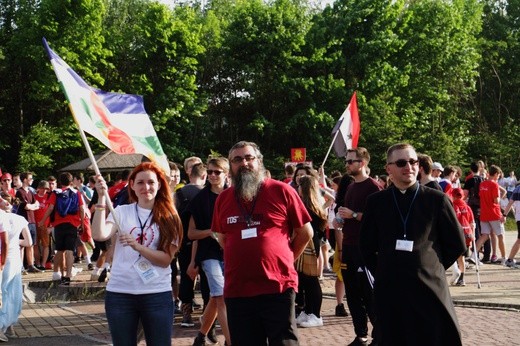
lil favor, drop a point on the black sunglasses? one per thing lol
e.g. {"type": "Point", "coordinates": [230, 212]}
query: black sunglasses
{"type": "Point", "coordinates": [214, 171]}
{"type": "Point", "coordinates": [349, 162]}
{"type": "Point", "coordinates": [402, 162]}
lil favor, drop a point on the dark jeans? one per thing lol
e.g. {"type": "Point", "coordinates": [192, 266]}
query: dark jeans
{"type": "Point", "coordinates": [310, 288]}
{"type": "Point", "coordinates": [253, 321]}
{"type": "Point", "coordinates": [124, 311]}
{"type": "Point", "coordinates": [186, 293]}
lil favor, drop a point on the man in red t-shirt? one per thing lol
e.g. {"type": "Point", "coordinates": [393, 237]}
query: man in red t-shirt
{"type": "Point", "coordinates": [263, 227]}
{"type": "Point", "coordinates": [65, 229]}
{"type": "Point", "coordinates": [491, 218]}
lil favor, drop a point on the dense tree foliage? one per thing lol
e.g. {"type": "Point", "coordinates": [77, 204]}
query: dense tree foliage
{"type": "Point", "coordinates": [442, 75]}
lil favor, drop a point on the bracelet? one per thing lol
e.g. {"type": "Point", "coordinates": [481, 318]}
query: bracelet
{"type": "Point", "coordinates": [101, 206]}
{"type": "Point", "coordinates": [100, 209]}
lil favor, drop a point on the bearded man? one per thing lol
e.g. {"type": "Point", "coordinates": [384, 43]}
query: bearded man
{"type": "Point", "coordinates": [263, 227]}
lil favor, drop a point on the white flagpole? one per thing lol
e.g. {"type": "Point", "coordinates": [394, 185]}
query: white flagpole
{"type": "Point", "coordinates": [94, 164]}
{"type": "Point", "coordinates": [330, 148]}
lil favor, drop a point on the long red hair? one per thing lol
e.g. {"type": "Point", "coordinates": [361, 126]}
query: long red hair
{"type": "Point", "coordinates": [164, 213]}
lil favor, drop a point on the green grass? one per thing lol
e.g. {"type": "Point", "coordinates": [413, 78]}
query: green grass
{"type": "Point", "coordinates": [510, 223]}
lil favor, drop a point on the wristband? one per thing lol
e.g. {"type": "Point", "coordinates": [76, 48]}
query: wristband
{"type": "Point", "coordinates": [101, 206]}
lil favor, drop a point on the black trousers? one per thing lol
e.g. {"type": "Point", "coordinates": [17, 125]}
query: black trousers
{"type": "Point", "coordinates": [310, 288]}
{"type": "Point", "coordinates": [359, 293]}
{"type": "Point", "coordinates": [255, 321]}
{"type": "Point", "coordinates": [186, 292]}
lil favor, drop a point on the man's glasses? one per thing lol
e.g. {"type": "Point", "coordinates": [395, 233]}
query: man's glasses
{"type": "Point", "coordinates": [401, 163]}
{"type": "Point", "coordinates": [350, 162]}
{"type": "Point", "coordinates": [240, 159]}
{"type": "Point", "coordinates": [214, 171]}
{"type": "Point", "coordinates": [6, 180]}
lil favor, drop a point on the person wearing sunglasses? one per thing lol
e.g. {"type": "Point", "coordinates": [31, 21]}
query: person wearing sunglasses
{"type": "Point", "coordinates": [409, 236]}
{"type": "Point", "coordinates": [355, 278]}
{"type": "Point", "coordinates": [7, 181]}
{"type": "Point", "coordinates": [206, 251]}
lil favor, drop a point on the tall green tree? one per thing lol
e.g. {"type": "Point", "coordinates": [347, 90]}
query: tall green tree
{"type": "Point", "coordinates": [497, 105]}
{"type": "Point", "coordinates": [413, 64]}
{"type": "Point", "coordinates": [156, 55]}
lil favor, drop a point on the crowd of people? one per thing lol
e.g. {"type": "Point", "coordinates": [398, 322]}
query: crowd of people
{"type": "Point", "coordinates": [250, 240]}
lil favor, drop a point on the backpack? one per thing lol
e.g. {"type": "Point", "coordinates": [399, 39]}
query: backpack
{"type": "Point", "coordinates": [67, 203]}
{"type": "Point", "coordinates": [473, 194]}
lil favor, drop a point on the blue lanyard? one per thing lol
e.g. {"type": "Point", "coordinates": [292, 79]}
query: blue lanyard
{"type": "Point", "coordinates": [404, 220]}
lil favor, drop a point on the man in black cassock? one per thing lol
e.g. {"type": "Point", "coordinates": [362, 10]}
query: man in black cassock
{"type": "Point", "coordinates": [409, 236]}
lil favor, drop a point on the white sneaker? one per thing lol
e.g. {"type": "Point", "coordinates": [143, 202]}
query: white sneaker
{"type": "Point", "coordinates": [56, 276]}
{"type": "Point", "coordinates": [312, 321]}
{"type": "Point", "coordinates": [302, 317]}
{"type": "Point", "coordinates": [455, 274]}
{"type": "Point", "coordinates": [3, 337]}
{"type": "Point", "coordinates": [75, 271]}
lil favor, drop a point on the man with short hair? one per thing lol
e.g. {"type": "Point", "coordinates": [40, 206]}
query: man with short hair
{"type": "Point", "coordinates": [53, 184]}
{"type": "Point", "coordinates": [28, 204]}
{"type": "Point", "coordinates": [491, 218]}
{"type": "Point", "coordinates": [263, 227]}
{"type": "Point", "coordinates": [472, 185]}
{"type": "Point", "coordinates": [17, 181]}
{"type": "Point", "coordinates": [409, 236]}
{"type": "Point", "coordinates": [449, 175]}
{"type": "Point", "coordinates": [197, 176]}
{"type": "Point", "coordinates": [77, 182]}
{"type": "Point", "coordinates": [65, 229]}
{"type": "Point", "coordinates": [425, 172]}
{"type": "Point", "coordinates": [358, 288]}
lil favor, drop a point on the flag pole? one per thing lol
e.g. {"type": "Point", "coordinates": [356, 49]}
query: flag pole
{"type": "Point", "coordinates": [330, 148]}
{"type": "Point", "coordinates": [94, 164]}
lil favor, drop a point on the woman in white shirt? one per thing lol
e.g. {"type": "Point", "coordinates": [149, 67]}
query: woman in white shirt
{"type": "Point", "coordinates": [148, 234]}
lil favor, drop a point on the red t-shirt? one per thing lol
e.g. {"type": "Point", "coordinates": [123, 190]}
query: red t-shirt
{"type": "Point", "coordinates": [489, 207]}
{"type": "Point", "coordinates": [74, 219]}
{"type": "Point", "coordinates": [38, 214]}
{"type": "Point", "coordinates": [262, 262]}
{"type": "Point", "coordinates": [114, 190]}
{"type": "Point", "coordinates": [465, 217]}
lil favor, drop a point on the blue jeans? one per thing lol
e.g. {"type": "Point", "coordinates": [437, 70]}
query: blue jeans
{"type": "Point", "coordinates": [124, 311]}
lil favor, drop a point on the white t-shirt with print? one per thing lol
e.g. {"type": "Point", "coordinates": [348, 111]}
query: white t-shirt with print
{"type": "Point", "coordinates": [124, 277]}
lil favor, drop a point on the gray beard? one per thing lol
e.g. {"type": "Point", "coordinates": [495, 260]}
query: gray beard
{"type": "Point", "coordinates": [247, 183]}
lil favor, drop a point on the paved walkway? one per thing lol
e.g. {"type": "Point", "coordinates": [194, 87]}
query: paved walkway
{"type": "Point", "coordinates": [487, 316]}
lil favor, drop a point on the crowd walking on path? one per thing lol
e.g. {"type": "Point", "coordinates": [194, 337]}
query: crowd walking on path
{"type": "Point", "coordinates": [253, 241]}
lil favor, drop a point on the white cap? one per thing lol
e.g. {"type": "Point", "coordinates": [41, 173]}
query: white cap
{"type": "Point", "coordinates": [437, 165]}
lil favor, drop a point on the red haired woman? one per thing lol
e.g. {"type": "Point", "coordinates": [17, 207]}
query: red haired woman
{"type": "Point", "coordinates": [149, 232]}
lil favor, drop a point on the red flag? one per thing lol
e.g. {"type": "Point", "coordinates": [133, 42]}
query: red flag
{"type": "Point", "coordinates": [348, 127]}
{"type": "Point", "coordinates": [298, 154]}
